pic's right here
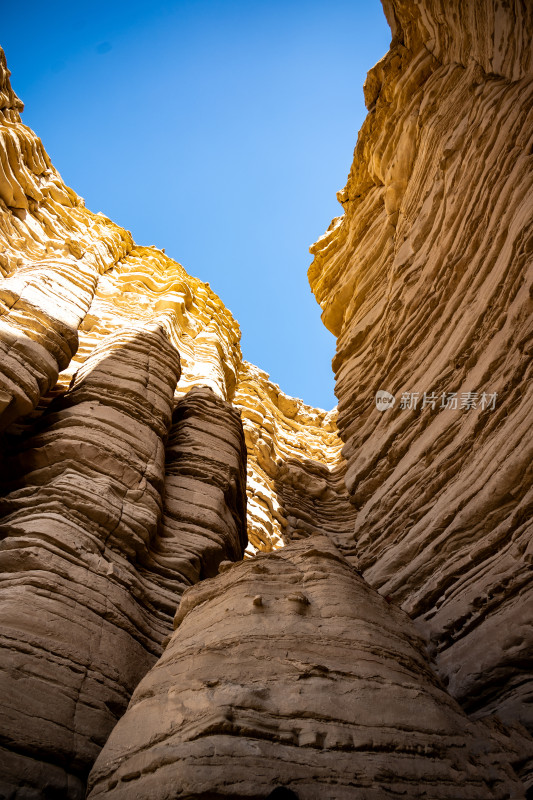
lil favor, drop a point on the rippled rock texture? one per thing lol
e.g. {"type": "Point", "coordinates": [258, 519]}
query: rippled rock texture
{"type": "Point", "coordinates": [427, 282]}
{"type": "Point", "coordinates": [141, 457]}
{"type": "Point", "coordinates": [295, 469]}
{"type": "Point", "coordinates": [124, 465]}
{"type": "Point", "coordinates": [102, 530]}
{"type": "Point", "coordinates": [289, 670]}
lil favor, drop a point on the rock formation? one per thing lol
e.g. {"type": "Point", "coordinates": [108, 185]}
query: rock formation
{"type": "Point", "coordinates": [427, 282]}
{"type": "Point", "coordinates": [295, 470]}
{"type": "Point", "coordinates": [289, 670]}
{"type": "Point", "coordinates": [376, 640]}
{"type": "Point", "coordinates": [94, 561]}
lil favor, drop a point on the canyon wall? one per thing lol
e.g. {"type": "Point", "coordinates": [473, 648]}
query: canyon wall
{"type": "Point", "coordinates": [295, 469]}
{"type": "Point", "coordinates": [124, 471]}
{"type": "Point", "coordinates": [375, 641]}
{"type": "Point", "coordinates": [427, 281]}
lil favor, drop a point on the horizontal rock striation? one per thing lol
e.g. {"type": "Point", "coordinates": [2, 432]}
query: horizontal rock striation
{"type": "Point", "coordinates": [295, 471]}
{"type": "Point", "coordinates": [123, 489]}
{"type": "Point", "coordinates": [204, 509]}
{"type": "Point", "coordinates": [427, 281]}
{"type": "Point", "coordinates": [84, 502]}
{"type": "Point", "coordinates": [120, 486]}
{"type": "Point", "coordinates": [92, 574]}
{"type": "Point", "coordinates": [289, 670]}
{"type": "Point", "coordinates": [71, 277]}
{"type": "Point", "coordinates": [145, 285]}
{"type": "Point", "coordinates": [52, 251]}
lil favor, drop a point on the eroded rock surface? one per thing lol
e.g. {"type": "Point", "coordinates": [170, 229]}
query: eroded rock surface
{"type": "Point", "coordinates": [120, 486]}
{"type": "Point", "coordinates": [92, 574]}
{"type": "Point", "coordinates": [427, 281]}
{"type": "Point", "coordinates": [125, 406]}
{"type": "Point", "coordinates": [295, 469]}
{"type": "Point", "coordinates": [204, 508]}
{"type": "Point", "coordinates": [289, 670]}
{"type": "Point", "coordinates": [83, 502]}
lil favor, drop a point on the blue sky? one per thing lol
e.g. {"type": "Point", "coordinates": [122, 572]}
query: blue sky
{"type": "Point", "coordinates": [219, 130]}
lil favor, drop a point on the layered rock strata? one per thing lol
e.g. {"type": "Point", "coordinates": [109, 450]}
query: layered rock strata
{"type": "Point", "coordinates": [122, 487]}
{"type": "Point", "coordinates": [95, 560]}
{"type": "Point", "coordinates": [71, 277]}
{"type": "Point", "coordinates": [295, 470]}
{"type": "Point", "coordinates": [83, 502]}
{"type": "Point", "coordinates": [52, 251]}
{"type": "Point", "coordinates": [427, 282]}
{"type": "Point", "coordinates": [289, 670]}
{"type": "Point", "coordinates": [146, 284]}
{"type": "Point", "coordinates": [204, 509]}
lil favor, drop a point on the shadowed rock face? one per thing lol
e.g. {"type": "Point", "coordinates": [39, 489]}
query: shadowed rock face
{"type": "Point", "coordinates": [204, 509]}
{"type": "Point", "coordinates": [85, 501]}
{"type": "Point", "coordinates": [92, 575]}
{"type": "Point", "coordinates": [427, 281]}
{"type": "Point", "coordinates": [289, 670]}
{"type": "Point", "coordinates": [121, 487]}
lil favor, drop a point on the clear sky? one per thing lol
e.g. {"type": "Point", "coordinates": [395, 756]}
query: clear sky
{"type": "Point", "coordinates": [217, 129]}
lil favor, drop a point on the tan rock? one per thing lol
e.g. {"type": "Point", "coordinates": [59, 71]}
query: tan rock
{"type": "Point", "coordinates": [295, 470]}
{"type": "Point", "coordinates": [92, 572]}
{"type": "Point", "coordinates": [426, 280]}
{"type": "Point", "coordinates": [322, 687]}
{"type": "Point", "coordinates": [122, 487]}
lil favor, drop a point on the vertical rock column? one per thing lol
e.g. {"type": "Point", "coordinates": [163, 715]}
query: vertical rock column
{"type": "Point", "coordinates": [427, 281]}
{"type": "Point", "coordinates": [204, 520]}
{"type": "Point", "coordinates": [83, 504]}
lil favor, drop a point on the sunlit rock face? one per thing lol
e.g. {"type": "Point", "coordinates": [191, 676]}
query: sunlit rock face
{"type": "Point", "coordinates": [72, 277]}
{"type": "Point", "coordinates": [141, 456]}
{"type": "Point", "coordinates": [295, 468]}
{"type": "Point", "coordinates": [124, 466]}
{"type": "Point", "coordinates": [289, 670]}
{"type": "Point", "coordinates": [427, 282]}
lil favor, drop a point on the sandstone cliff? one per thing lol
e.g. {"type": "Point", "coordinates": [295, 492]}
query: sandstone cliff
{"type": "Point", "coordinates": [389, 655]}
{"type": "Point", "coordinates": [427, 281]}
{"type": "Point", "coordinates": [124, 468]}
{"type": "Point", "coordinates": [295, 469]}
